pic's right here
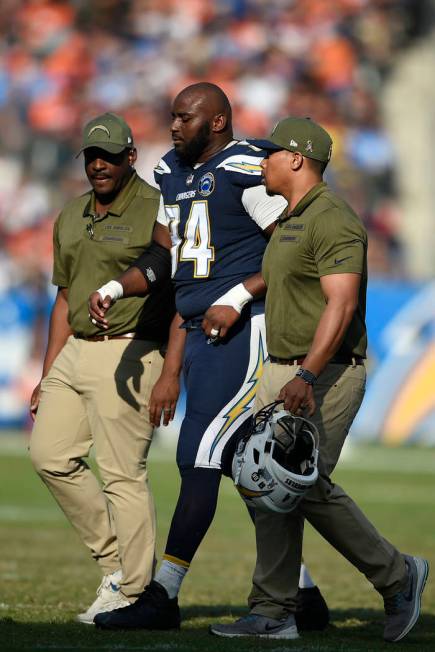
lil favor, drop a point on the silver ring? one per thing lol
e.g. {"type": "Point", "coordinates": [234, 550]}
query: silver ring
{"type": "Point", "coordinates": [94, 321]}
{"type": "Point", "coordinates": [214, 332]}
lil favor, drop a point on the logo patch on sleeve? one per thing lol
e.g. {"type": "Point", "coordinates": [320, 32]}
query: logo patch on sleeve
{"type": "Point", "coordinates": [338, 261]}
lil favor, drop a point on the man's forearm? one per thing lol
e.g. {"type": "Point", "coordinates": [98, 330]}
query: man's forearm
{"type": "Point", "coordinates": [174, 354]}
{"type": "Point", "coordinates": [133, 283]}
{"type": "Point", "coordinates": [255, 285]}
{"type": "Point", "coordinates": [238, 296]}
{"type": "Point", "coordinates": [59, 330]}
{"type": "Point", "coordinates": [329, 335]}
{"type": "Point", "coordinates": [148, 272]}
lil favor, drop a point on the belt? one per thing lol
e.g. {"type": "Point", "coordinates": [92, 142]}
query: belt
{"type": "Point", "coordinates": [104, 338]}
{"type": "Point", "coordinates": [192, 324]}
{"type": "Point", "coordinates": [354, 360]}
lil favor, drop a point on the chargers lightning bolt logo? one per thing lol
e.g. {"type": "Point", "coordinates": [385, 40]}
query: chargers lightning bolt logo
{"type": "Point", "coordinates": [246, 167]}
{"type": "Point", "coordinates": [245, 402]}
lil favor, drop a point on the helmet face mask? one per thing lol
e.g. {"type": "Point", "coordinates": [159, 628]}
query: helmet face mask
{"type": "Point", "coordinates": [275, 464]}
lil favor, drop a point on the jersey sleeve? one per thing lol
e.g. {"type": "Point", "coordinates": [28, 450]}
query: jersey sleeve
{"type": "Point", "coordinates": [263, 209]}
{"type": "Point", "coordinates": [339, 243]}
{"type": "Point", "coordinates": [60, 276]}
{"type": "Point", "coordinates": [242, 167]}
{"type": "Point", "coordinates": [161, 214]}
{"type": "Point", "coordinates": [160, 170]}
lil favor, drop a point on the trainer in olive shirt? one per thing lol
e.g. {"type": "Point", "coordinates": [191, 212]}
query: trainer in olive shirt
{"type": "Point", "coordinates": [315, 272]}
{"type": "Point", "coordinates": [96, 385]}
{"type": "Point", "coordinates": [322, 235]}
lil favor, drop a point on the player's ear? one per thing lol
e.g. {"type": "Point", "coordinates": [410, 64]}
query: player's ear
{"type": "Point", "coordinates": [296, 160]}
{"type": "Point", "coordinates": [219, 122]}
{"type": "Point", "coordinates": [132, 156]}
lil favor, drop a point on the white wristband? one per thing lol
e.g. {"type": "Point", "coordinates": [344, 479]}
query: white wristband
{"type": "Point", "coordinates": [237, 297]}
{"type": "Point", "coordinates": [113, 289]}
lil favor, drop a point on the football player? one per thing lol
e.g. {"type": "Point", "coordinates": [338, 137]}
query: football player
{"type": "Point", "coordinates": [219, 217]}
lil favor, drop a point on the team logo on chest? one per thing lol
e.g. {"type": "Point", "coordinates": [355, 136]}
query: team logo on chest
{"type": "Point", "coordinates": [189, 180]}
{"type": "Point", "coordinates": [206, 184]}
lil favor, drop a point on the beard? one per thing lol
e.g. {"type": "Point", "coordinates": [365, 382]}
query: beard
{"type": "Point", "coordinates": [191, 151]}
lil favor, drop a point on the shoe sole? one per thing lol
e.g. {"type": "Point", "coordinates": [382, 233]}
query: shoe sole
{"type": "Point", "coordinates": [289, 636]}
{"type": "Point", "coordinates": [84, 619]}
{"type": "Point", "coordinates": [422, 575]}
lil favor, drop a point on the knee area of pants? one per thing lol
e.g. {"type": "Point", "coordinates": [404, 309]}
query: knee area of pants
{"type": "Point", "coordinates": [124, 483]}
{"type": "Point", "coordinates": [46, 464]}
{"type": "Point", "coordinates": [40, 460]}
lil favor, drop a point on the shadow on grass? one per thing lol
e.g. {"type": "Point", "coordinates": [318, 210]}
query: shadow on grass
{"type": "Point", "coordinates": [358, 630]}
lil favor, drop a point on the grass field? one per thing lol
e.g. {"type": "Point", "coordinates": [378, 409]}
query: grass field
{"type": "Point", "coordinates": [46, 576]}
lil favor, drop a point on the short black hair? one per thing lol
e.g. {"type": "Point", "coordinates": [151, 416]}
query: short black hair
{"type": "Point", "coordinates": [317, 166]}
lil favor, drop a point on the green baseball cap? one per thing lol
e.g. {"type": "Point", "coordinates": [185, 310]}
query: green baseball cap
{"type": "Point", "coordinates": [109, 132]}
{"type": "Point", "coordinates": [298, 135]}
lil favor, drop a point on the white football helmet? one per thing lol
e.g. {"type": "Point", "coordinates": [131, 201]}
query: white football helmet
{"type": "Point", "coordinates": [276, 462]}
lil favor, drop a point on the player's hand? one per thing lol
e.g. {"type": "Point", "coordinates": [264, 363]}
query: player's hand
{"type": "Point", "coordinates": [163, 400]}
{"type": "Point", "coordinates": [218, 321]}
{"type": "Point", "coordinates": [98, 307]}
{"type": "Point", "coordinates": [298, 397]}
{"type": "Point", "coordinates": [34, 401]}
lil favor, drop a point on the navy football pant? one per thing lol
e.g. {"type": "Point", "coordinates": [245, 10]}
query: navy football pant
{"type": "Point", "coordinates": [221, 382]}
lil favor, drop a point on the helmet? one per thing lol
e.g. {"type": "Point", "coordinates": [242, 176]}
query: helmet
{"type": "Point", "coordinates": [276, 462]}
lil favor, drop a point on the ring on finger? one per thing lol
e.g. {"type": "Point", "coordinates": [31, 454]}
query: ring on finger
{"type": "Point", "coordinates": [214, 332]}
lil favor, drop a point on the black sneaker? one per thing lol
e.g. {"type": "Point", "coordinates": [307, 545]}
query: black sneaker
{"type": "Point", "coordinates": [312, 612]}
{"type": "Point", "coordinates": [403, 609]}
{"type": "Point", "coordinates": [152, 610]}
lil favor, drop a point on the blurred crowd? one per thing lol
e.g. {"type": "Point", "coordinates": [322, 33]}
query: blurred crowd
{"type": "Point", "coordinates": [63, 62]}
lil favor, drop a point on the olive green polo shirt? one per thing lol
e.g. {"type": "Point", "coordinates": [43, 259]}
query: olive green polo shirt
{"type": "Point", "coordinates": [321, 236]}
{"type": "Point", "coordinates": [91, 249]}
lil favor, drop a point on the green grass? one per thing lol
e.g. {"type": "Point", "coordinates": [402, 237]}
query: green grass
{"type": "Point", "coordinates": [47, 577]}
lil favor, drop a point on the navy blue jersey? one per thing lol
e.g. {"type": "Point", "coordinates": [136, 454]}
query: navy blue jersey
{"type": "Point", "coordinates": [216, 242]}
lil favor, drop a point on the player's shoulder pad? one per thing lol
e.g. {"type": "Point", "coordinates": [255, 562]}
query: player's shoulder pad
{"type": "Point", "coordinates": [243, 158]}
{"type": "Point", "coordinates": [164, 168]}
{"type": "Point", "coordinates": [166, 164]}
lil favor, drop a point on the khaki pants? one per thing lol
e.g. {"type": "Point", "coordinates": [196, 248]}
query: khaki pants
{"type": "Point", "coordinates": [97, 393]}
{"type": "Point", "coordinates": [338, 394]}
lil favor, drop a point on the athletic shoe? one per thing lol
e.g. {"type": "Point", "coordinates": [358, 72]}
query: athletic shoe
{"type": "Point", "coordinates": [403, 608]}
{"type": "Point", "coordinates": [152, 610]}
{"type": "Point", "coordinates": [312, 612]}
{"type": "Point", "coordinates": [109, 597]}
{"type": "Point", "coordinates": [259, 626]}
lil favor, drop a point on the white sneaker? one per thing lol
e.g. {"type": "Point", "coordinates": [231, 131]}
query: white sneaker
{"type": "Point", "coordinates": [109, 597]}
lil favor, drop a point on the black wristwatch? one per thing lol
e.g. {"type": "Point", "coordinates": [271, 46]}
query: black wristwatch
{"type": "Point", "coordinates": [306, 376]}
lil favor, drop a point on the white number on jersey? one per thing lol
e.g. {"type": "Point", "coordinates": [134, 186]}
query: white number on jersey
{"type": "Point", "coordinates": [196, 246]}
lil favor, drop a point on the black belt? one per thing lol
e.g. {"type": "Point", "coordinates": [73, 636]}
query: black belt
{"type": "Point", "coordinates": [337, 359]}
{"type": "Point", "coordinates": [192, 324]}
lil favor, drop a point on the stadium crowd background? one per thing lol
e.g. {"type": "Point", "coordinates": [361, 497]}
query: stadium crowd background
{"type": "Point", "coordinates": [61, 63]}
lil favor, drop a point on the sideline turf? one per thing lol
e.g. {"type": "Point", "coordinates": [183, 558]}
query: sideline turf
{"type": "Point", "coordinates": [46, 577]}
